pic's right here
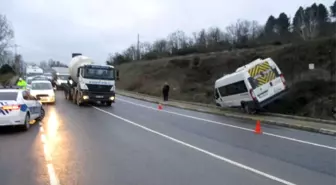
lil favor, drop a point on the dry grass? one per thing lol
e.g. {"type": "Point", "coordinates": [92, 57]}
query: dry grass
{"type": "Point", "coordinates": [192, 77]}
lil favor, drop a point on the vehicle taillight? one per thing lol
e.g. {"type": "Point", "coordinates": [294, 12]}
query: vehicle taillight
{"type": "Point", "coordinates": [11, 107]}
{"type": "Point", "coordinates": [283, 79]}
{"type": "Point", "coordinates": [252, 94]}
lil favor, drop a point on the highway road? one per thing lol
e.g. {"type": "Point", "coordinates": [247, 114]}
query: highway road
{"type": "Point", "coordinates": [134, 143]}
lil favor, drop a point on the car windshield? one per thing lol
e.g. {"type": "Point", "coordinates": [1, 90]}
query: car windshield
{"type": "Point", "coordinates": [99, 73]}
{"type": "Point", "coordinates": [34, 74]}
{"type": "Point", "coordinates": [41, 86]}
{"type": "Point", "coordinates": [40, 78]}
{"type": "Point", "coordinates": [63, 77]}
{"type": "Point", "coordinates": [8, 95]}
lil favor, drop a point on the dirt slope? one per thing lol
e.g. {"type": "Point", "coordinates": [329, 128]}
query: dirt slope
{"type": "Point", "coordinates": [312, 92]}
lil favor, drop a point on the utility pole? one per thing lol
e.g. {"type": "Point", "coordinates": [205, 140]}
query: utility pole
{"type": "Point", "coordinates": [16, 59]}
{"type": "Point", "coordinates": [138, 48]}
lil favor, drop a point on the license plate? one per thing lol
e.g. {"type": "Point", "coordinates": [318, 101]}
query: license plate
{"type": "Point", "coordinates": [99, 96]}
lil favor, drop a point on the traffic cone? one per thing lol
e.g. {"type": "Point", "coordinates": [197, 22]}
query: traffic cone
{"type": "Point", "coordinates": [258, 128]}
{"type": "Point", "coordinates": [160, 106]}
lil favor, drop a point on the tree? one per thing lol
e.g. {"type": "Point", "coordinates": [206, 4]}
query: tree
{"type": "Point", "coordinates": [282, 24]}
{"type": "Point", "coordinates": [269, 26]}
{"type": "Point", "coordinates": [18, 62]}
{"type": "Point", "coordinates": [160, 46]}
{"type": "Point", "coordinates": [239, 32]}
{"type": "Point", "coordinates": [256, 30]}
{"type": "Point", "coordinates": [6, 34]}
{"type": "Point", "coordinates": [333, 9]}
{"type": "Point", "coordinates": [201, 39]}
{"type": "Point", "coordinates": [6, 57]}
{"type": "Point", "coordinates": [214, 36]}
{"type": "Point", "coordinates": [322, 14]}
{"type": "Point", "coordinates": [306, 23]}
{"type": "Point", "coordinates": [131, 52]}
{"type": "Point", "coordinates": [117, 58]}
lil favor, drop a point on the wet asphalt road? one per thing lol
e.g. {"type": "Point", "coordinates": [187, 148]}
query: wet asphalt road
{"type": "Point", "coordinates": [133, 143]}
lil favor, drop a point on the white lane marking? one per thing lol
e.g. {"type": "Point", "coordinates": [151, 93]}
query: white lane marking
{"type": "Point", "coordinates": [201, 150]}
{"type": "Point", "coordinates": [52, 175]}
{"type": "Point", "coordinates": [47, 155]}
{"type": "Point", "coordinates": [233, 126]}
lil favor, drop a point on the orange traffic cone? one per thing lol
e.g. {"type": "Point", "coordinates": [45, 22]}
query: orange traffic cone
{"type": "Point", "coordinates": [258, 128]}
{"type": "Point", "coordinates": [160, 106]}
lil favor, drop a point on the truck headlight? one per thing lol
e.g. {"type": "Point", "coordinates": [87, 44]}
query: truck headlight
{"type": "Point", "coordinates": [112, 98]}
{"type": "Point", "coordinates": [85, 97]}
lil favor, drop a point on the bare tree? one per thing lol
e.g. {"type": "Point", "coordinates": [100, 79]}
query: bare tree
{"type": "Point", "coordinates": [131, 52]}
{"type": "Point", "coordinates": [201, 39]}
{"type": "Point", "coordinates": [6, 34]}
{"type": "Point", "coordinates": [7, 57]}
{"type": "Point", "coordinates": [214, 36]}
{"type": "Point", "coordinates": [145, 47]}
{"type": "Point", "coordinates": [160, 46]}
{"type": "Point", "coordinates": [239, 32]}
{"type": "Point", "coordinates": [255, 30]}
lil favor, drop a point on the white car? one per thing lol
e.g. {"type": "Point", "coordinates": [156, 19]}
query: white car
{"type": "Point", "coordinates": [43, 91]}
{"type": "Point", "coordinates": [19, 108]}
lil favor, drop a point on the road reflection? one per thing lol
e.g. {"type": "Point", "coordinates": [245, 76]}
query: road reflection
{"type": "Point", "coordinates": [49, 137]}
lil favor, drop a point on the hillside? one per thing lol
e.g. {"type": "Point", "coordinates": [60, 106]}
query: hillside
{"type": "Point", "coordinates": [312, 92]}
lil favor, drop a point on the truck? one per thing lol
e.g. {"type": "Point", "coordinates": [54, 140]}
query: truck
{"type": "Point", "coordinates": [90, 82]}
{"type": "Point", "coordinates": [60, 76]}
{"type": "Point", "coordinates": [33, 70]}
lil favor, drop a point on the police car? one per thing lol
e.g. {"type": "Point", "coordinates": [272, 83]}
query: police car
{"type": "Point", "coordinates": [19, 108]}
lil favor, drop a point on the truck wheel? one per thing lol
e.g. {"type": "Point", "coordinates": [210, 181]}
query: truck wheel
{"type": "Point", "coordinates": [109, 103]}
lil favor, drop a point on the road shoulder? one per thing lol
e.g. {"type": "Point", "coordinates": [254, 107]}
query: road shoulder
{"type": "Point", "coordinates": [312, 126]}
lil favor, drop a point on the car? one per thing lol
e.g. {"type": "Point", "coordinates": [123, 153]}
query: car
{"type": "Point", "coordinates": [29, 81]}
{"type": "Point", "coordinates": [48, 75]}
{"type": "Point", "coordinates": [43, 91]}
{"type": "Point", "coordinates": [19, 108]}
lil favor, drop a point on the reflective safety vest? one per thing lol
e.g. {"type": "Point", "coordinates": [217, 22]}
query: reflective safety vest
{"type": "Point", "coordinates": [22, 84]}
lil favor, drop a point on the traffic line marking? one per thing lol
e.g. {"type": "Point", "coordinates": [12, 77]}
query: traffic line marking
{"type": "Point", "coordinates": [47, 155]}
{"type": "Point", "coordinates": [233, 126]}
{"type": "Point", "coordinates": [201, 150]}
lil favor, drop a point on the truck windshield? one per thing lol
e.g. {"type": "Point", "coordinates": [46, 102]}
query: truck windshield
{"type": "Point", "coordinates": [99, 73]}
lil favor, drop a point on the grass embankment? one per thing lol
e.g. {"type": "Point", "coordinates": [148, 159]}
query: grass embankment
{"type": "Point", "coordinates": [312, 92]}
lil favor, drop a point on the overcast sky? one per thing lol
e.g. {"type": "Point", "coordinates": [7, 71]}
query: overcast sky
{"type": "Point", "coordinates": [55, 28]}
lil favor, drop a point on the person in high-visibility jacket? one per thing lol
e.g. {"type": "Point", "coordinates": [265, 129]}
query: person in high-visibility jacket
{"type": "Point", "coordinates": [22, 83]}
